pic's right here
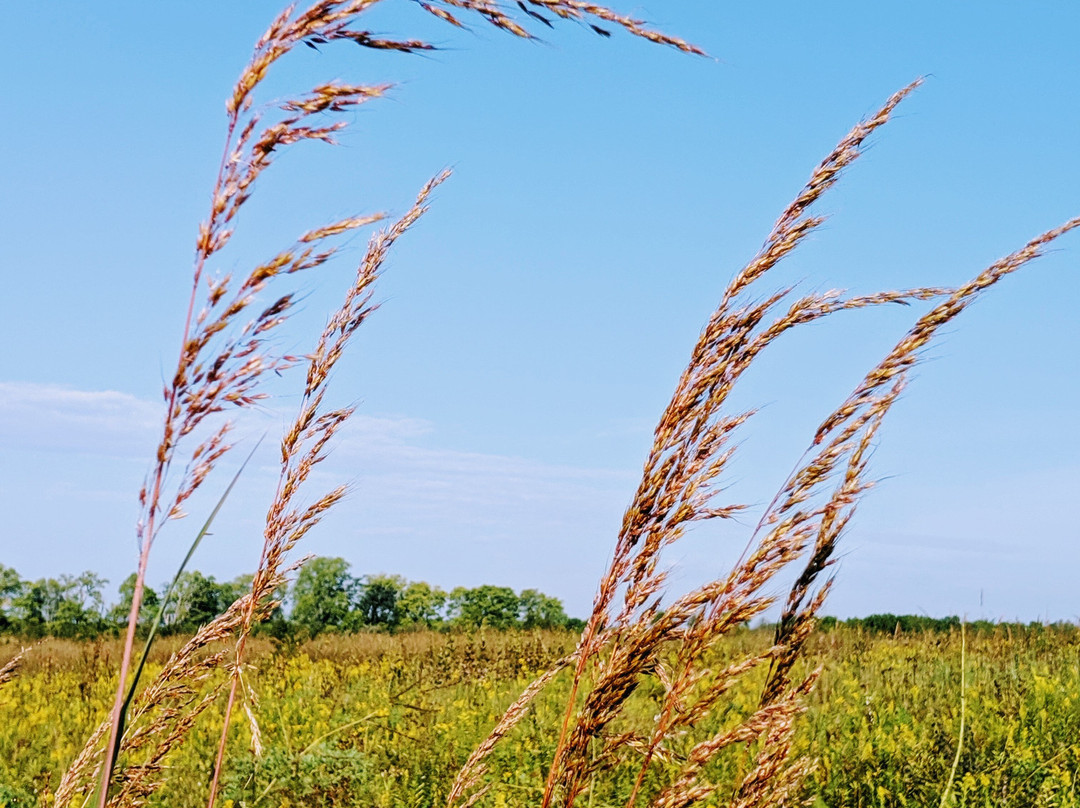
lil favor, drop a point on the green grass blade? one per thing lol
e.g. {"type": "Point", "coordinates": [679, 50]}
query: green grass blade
{"type": "Point", "coordinates": [947, 794]}
{"type": "Point", "coordinates": [203, 532]}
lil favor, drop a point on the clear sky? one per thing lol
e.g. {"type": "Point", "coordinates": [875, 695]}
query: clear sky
{"type": "Point", "coordinates": [535, 322]}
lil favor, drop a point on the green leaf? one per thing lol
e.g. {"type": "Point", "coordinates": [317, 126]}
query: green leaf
{"type": "Point", "coordinates": [203, 532]}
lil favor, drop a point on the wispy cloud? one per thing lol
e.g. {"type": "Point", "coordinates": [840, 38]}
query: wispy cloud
{"type": "Point", "coordinates": [418, 508]}
{"type": "Point", "coordinates": [435, 512]}
{"type": "Point", "coordinates": [460, 517]}
{"type": "Point", "coordinates": [48, 417]}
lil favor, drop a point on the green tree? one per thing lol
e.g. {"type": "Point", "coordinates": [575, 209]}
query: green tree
{"type": "Point", "coordinates": [538, 610]}
{"type": "Point", "coordinates": [421, 604]}
{"type": "Point", "coordinates": [10, 588]}
{"type": "Point", "coordinates": [69, 620]}
{"type": "Point", "coordinates": [28, 608]}
{"type": "Point", "coordinates": [377, 604]}
{"type": "Point", "coordinates": [87, 590]}
{"type": "Point", "coordinates": [66, 607]}
{"type": "Point", "coordinates": [196, 600]}
{"type": "Point", "coordinates": [484, 607]}
{"type": "Point", "coordinates": [119, 613]}
{"type": "Point", "coordinates": [323, 595]}
{"type": "Point", "coordinates": [236, 588]}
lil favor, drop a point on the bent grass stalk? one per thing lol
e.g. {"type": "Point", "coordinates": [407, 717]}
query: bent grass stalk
{"type": "Point", "coordinates": [622, 647]}
{"type": "Point", "coordinates": [10, 669]}
{"type": "Point", "coordinates": [223, 365]}
{"type": "Point", "coordinates": [305, 444]}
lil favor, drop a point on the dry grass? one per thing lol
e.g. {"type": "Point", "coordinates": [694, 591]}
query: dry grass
{"type": "Point", "coordinates": [631, 638]}
{"type": "Point", "coordinates": [11, 668]}
{"type": "Point", "coordinates": [226, 355]}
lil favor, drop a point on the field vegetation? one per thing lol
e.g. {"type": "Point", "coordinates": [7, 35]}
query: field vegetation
{"type": "Point", "coordinates": [387, 720]}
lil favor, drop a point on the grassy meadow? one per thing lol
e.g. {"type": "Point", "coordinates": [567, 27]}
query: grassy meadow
{"type": "Point", "coordinates": [388, 720]}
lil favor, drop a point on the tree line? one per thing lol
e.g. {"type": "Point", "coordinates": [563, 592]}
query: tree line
{"type": "Point", "coordinates": [888, 623]}
{"type": "Point", "coordinates": [325, 596]}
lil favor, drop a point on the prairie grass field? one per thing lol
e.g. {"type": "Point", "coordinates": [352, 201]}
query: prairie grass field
{"type": "Point", "coordinates": [388, 720]}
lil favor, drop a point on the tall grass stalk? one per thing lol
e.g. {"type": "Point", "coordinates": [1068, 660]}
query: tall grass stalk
{"type": "Point", "coordinates": [638, 633]}
{"type": "Point", "coordinates": [947, 793]}
{"type": "Point", "coordinates": [225, 355]}
{"type": "Point", "coordinates": [10, 669]}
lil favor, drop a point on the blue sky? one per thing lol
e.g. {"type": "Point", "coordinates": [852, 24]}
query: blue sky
{"type": "Point", "coordinates": [535, 322]}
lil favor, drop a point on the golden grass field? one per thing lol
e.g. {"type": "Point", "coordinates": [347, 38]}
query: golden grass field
{"type": "Point", "coordinates": [387, 720]}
